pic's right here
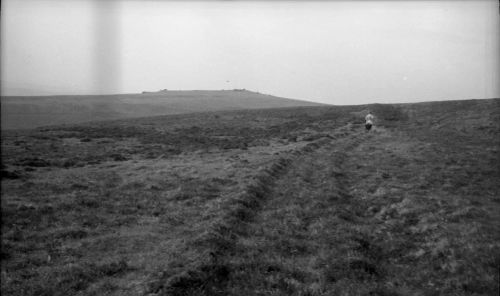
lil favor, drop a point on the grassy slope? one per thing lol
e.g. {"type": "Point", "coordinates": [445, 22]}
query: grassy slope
{"type": "Point", "coordinates": [137, 193]}
{"type": "Point", "coordinates": [29, 112]}
{"type": "Point", "coordinates": [185, 205]}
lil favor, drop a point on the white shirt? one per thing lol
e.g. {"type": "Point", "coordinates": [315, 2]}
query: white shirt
{"type": "Point", "coordinates": [369, 119]}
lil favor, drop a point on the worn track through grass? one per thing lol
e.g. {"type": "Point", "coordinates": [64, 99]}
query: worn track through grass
{"type": "Point", "coordinates": [281, 252]}
{"type": "Point", "coordinates": [209, 276]}
{"type": "Point", "coordinates": [363, 214]}
{"type": "Point", "coordinates": [222, 241]}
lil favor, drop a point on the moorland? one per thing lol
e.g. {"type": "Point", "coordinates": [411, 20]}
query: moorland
{"type": "Point", "coordinates": [22, 112]}
{"type": "Point", "coordinates": [281, 201]}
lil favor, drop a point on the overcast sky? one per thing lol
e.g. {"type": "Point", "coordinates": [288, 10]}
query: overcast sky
{"type": "Point", "coordinates": [338, 52]}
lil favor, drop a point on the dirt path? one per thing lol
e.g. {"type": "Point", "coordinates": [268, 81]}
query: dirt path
{"type": "Point", "coordinates": [376, 213]}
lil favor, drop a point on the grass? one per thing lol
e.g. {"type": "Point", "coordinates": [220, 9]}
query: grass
{"type": "Point", "coordinates": [294, 201]}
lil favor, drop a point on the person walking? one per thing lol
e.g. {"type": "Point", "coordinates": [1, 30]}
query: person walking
{"type": "Point", "coordinates": [369, 121]}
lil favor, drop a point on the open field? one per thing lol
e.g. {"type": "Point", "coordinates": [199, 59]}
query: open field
{"type": "Point", "coordinates": [290, 201]}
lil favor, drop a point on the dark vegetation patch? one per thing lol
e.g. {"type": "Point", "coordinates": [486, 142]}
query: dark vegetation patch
{"type": "Point", "coordinates": [11, 174]}
{"type": "Point", "coordinates": [389, 114]}
{"type": "Point", "coordinates": [70, 146]}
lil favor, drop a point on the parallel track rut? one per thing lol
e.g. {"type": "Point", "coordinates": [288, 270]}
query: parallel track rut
{"type": "Point", "coordinates": [219, 242]}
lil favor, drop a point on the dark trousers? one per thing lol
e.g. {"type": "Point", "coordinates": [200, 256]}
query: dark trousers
{"type": "Point", "coordinates": [368, 126]}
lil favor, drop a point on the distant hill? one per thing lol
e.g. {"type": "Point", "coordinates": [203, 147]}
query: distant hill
{"type": "Point", "coordinates": [21, 112]}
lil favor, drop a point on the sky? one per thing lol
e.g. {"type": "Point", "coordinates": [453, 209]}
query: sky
{"type": "Point", "coordinates": [336, 52]}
